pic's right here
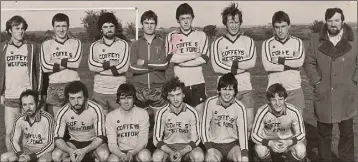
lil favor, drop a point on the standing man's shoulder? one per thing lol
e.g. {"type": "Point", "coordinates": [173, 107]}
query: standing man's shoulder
{"type": "Point", "coordinates": [117, 39]}
{"type": "Point", "coordinates": [246, 37]}
{"type": "Point", "coordinates": [159, 39]}
{"type": "Point", "coordinates": [200, 32]}
{"type": "Point", "coordinates": [269, 39]}
{"type": "Point", "coordinates": [74, 40]}
{"type": "Point", "coordinates": [140, 111]}
{"type": "Point", "coordinates": [47, 41]}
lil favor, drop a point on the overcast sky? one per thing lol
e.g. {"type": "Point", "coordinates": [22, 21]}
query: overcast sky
{"type": "Point", "coordinates": [206, 13]}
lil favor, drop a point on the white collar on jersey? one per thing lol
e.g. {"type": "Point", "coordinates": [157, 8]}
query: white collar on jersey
{"type": "Point", "coordinates": [182, 110]}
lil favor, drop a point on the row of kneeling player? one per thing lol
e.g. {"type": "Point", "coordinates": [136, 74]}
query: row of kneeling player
{"type": "Point", "coordinates": [122, 135]}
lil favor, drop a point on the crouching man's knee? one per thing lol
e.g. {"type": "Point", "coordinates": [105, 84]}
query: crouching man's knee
{"type": "Point", "coordinates": [262, 152]}
{"type": "Point", "coordinates": [144, 155]}
{"type": "Point", "coordinates": [8, 156]}
{"type": "Point", "coordinates": [57, 155]}
{"type": "Point", "coordinates": [298, 151]}
{"type": "Point", "coordinates": [197, 155]}
{"type": "Point", "coordinates": [45, 157]}
{"type": "Point", "coordinates": [102, 153]}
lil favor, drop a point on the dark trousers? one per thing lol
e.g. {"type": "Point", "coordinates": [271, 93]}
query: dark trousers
{"type": "Point", "coordinates": [346, 140]}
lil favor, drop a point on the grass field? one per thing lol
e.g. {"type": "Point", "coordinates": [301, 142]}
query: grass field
{"type": "Point", "coordinates": [259, 82]}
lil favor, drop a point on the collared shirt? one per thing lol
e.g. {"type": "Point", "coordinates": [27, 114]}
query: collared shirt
{"type": "Point", "coordinates": [172, 128]}
{"type": "Point", "coordinates": [37, 136]}
{"type": "Point", "coordinates": [336, 38]}
{"type": "Point", "coordinates": [107, 79]}
{"type": "Point", "coordinates": [290, 52]}
{"type": "Point", "coordinates": [152, 73]}
{"type": "Point", "coordinates": [179, 43]}
{"type": "Point", "coordinates": [82, 126]}
{"type": "Point", "coordinates": [270, 109]}
{"type": "Point", "coordinates": [70, 53]}
{"type": "Point", "coordinates": [36, 119]}
{"type": "Point", "coordinates": [221, 102]}
{"type": "Point", "coordinates": [268, 126]}
{"type": "Point", "coordinates": [224, 124]}
{"type": "Point", "coordinates": [224, 51]}
{"type": "Point", "coordinates": [127, 130]}
{"type": "Point", "coordinates": [17, 69]}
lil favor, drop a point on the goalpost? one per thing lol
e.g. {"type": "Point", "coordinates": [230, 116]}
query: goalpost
{"type": "Point", "coordinates": [81, 9]}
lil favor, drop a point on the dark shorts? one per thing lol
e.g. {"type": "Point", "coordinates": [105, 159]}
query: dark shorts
{"type": "Point", "coordinates": [195, 94]}
{"type": "Point", "coordinates": [150, 97]}
{"type": "Point", "coordinates": [296, 98]}
{"type": "Point", "coordinates": [106, 101]}
{"type": "Point", "coordinates": [56, 94]}
{"type": "Point", "coordinates": [178, 147]}
{"type": "Point", "coordinates": [89, 156]}
{"type": "Point", "coordinates": [12, 102]}
{"type": "Point", "coordinates": [225, 148]}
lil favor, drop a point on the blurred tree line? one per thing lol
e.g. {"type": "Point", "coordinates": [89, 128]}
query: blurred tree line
{"type": "Point", "coordinates": [92, 33]}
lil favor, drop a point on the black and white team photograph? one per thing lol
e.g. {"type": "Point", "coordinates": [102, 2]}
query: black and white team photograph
{"type": "Point", "coordinates": [178, 81]}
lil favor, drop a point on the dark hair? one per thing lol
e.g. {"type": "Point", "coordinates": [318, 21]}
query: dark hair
{"type": "Point", "coordinates": [15, 21]}
{"type": "Point", "coordinates": [149, 15]}
{"type": "Point", "coordinates": [276, 88]}
{"type": "Point", "coordinates": [331, 11]}
{"type": "Point", "coordinates": [30, 92]}
{"type": "Point", "coordinates": [184, 9]}
{"type": "Point", "coordinates": [60, 17]}
{"type": "Point", "coordinates": [232, 10]}
{"type": "Point", "coordinates": [126, 89]}
{"type": "Point", "coordinates": [107, 17]}
{"type": "Point", "coordinates": [172, 85]}
{"type": "Point", "coordinates": [227, 80]}
{"type": "Point", "coordinates": [75, 87]}
{"type": "Point", "coordinates": [280, 16]}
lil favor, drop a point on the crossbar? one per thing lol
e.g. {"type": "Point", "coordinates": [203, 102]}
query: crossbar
{"type": "Point", "coordinates": [68, 9]}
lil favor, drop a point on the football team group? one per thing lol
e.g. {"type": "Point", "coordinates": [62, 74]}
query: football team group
{"type": "Point", "coordinates": [133, 103]}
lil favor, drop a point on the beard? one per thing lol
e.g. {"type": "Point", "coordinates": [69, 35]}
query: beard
{"type": "Point", "coordinates": [334, 31]}
{"type": "Point", "coordinates": [109, 35]}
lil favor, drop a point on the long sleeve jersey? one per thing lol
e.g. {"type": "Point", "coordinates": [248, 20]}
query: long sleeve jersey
{"type": "Point", "coordinates": [19, 68]}
{"type": "Point", "coordinates": [70, 54]}
{"type": "Point", "coordinates": [223, 53]}
{"type": "Point", "coordinates": [291, 56]}
{"type": "Point", "coordinates": [268, 126]}
{"type": "Point", "coordinates": [83, 126]}
{"type": "Point", "coordinates": [108, 78]}
{"type": "Point", "coordinates": [178, 43]}
{"type": "Point", "coordinates": [127, 129]}
{"type": "Point", "coordinates": [224, 124]}
{"type": "Point", "coordinates": [152, 73]}
{"type": "Point", "coordinates": [172, 128]}
{"type": "Point", "coordinates": [37, 137]}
